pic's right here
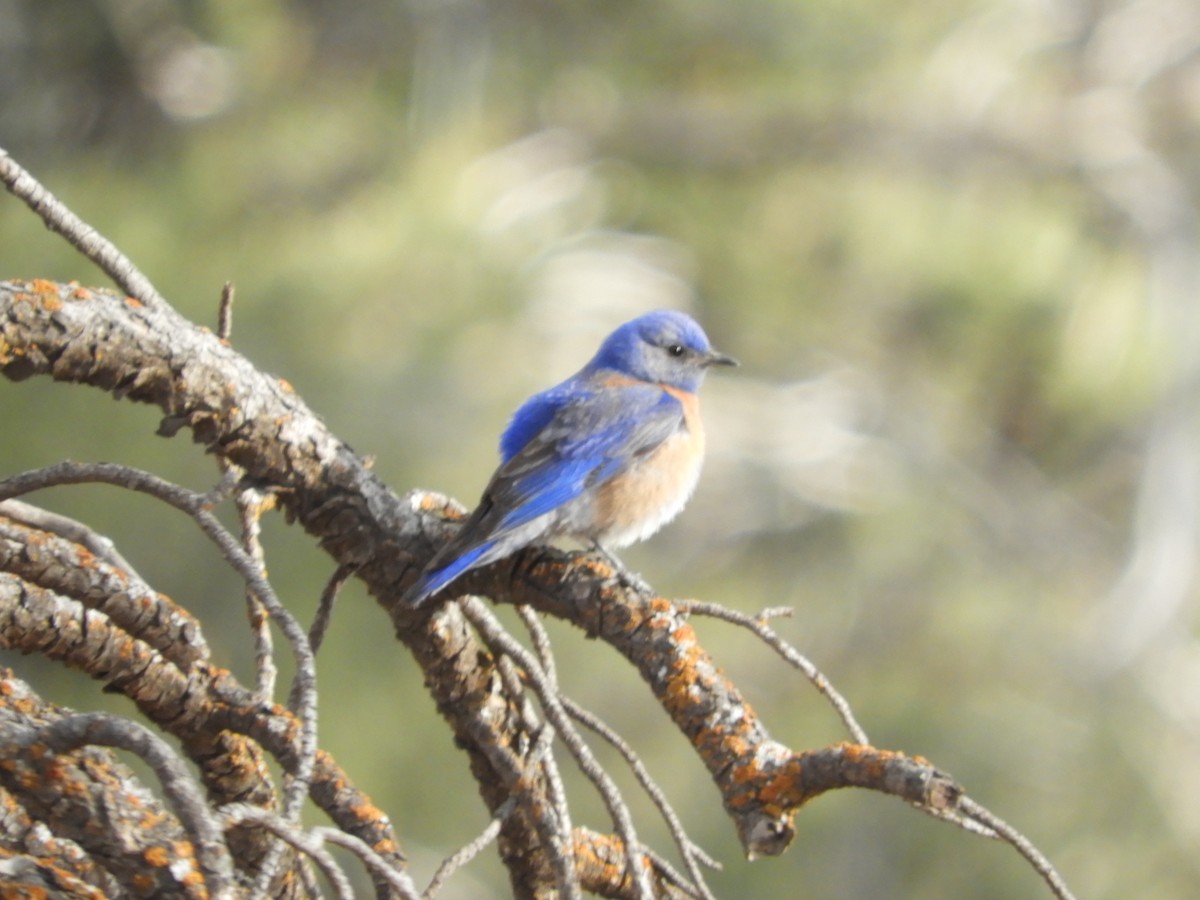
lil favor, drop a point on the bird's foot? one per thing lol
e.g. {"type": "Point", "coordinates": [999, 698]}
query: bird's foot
{"type": "Point", "coordinates": [629, 576]}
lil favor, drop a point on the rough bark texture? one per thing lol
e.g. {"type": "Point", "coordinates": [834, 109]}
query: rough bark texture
{"type": "Point", "coordinates": [55, 601]}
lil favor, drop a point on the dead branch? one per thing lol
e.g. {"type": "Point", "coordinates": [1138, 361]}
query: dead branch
{"type": "Point", "coordinates": [78, 233]}
{"type": "Point", "coordinates": [50, 774]}
{"type": "Point", "coordinates": [42, 746]}
{"type": "Point", "coordinates": [94, 337]}
{"type": "Point", "coordinates": [272, 444]}
{"type": "Point", "coordinates": [61, 559]}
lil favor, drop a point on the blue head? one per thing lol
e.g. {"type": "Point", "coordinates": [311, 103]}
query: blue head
{"type": "Point", "coordinates": [665, 347]}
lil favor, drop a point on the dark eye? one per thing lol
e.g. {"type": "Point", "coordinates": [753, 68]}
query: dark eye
{"type": "Point", "coordinates": [675, 349]}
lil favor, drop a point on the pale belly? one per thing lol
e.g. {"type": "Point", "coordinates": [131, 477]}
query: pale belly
{"type": "Point", "coordinates": [651, 493]}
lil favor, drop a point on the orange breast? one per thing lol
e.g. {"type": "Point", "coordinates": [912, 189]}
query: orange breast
{"type": "Point", "coordinates": [637, 503]}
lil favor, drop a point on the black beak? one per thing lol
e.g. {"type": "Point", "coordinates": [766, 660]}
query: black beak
{"type": "Point", "coordinates": [713, 358]}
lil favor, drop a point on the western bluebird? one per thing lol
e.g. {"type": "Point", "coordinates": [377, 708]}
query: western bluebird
{"type": "Point", "coordinates": [608, 456]}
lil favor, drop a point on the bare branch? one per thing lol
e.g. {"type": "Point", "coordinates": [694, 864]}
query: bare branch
{"type": "Point", "coordinates": [558, 815]}
{"type": "Point", "coordinates": [320, 624]}
{"type": "Point", "coordinates": [102, 729]}
{"type": "Point", "coordinates": [553, 816]}
{"type": "Point", "coordinates": [496, 636]}
{"type": "Point", "coordinates": [225, 312]}
{"type": "Point", "coordinates": [1022, 844]}
{"type": "Point", "coordinates": [258, 423]}
{"type": "Point", "coordinates": [79, 234]}
{"type": "Point", "coordinates": [68, 528]}
{"type": "Point", "coordinates": [386, 872]}
{"type": "Point", "coordinates": [205, 708]}
{"type": "Point", "coordinates": [691, 853]}
{"type": "Point", "coordinates": [251, 504]}
{"type": "Point", "coordinates": [311, 846]}
{"type": "Point", "coordinates": [541, 642]}
{"type": "Point", "coordinates": [51, 771]}
{"type": "Point", "coordinates": [195, 505]}
{"type": "Point", "coordinates": [688, 850]}
{"type": "Point", "coordinates": [758, 625]}
{"type": "Point", "coordinates": [470, 850]}
{"type": "Point", "coordinates": [60, 564]}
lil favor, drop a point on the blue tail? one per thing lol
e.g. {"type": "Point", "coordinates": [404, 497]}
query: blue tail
{"type": "Point", "coordinates": [433, 580]}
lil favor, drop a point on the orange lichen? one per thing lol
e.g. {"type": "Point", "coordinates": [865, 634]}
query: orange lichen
{"type": "Point", "coordinates": [385, 846]}
{"type": "Point", "coordinates": [134, 302]}
{"type": "Point", "coordinates": [744, 774]}
{"type": "Point", "coordinates": [661, 605]}
{"type": "Point", "coordinates": [151, 819]}
{"type": "Point", "coordinates": [366, 811]}
{"type": "Point", "coordinates": [47, 293]}
{"type": "Point", "coordinates": [157, 857]}
{"type": "Point", "coordinates": [677, 695]}
{"type": "Point", "coordinates": [194, 879]}
{"type": "Point", "coordinates": [684, 634]}
{"type": "Point", "coordinates": [433, 503]}
{"type": "Point", "coordinates": [784, 790]}
{"type": "Point", "coordinates": [734, 745]}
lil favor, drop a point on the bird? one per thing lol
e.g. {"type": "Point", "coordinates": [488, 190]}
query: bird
{"type": "Point", "coordinates": [606, 457]}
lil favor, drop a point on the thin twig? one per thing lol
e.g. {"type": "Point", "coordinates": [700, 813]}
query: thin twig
{"type": "Point", "coordinates": [225, 311]}
{"type": "Point", "coordinates": [320, 623]}
{"type": "Point", "coordinates": [541, 641]}
{"type": "Point", "coordinates": [1022, 844]}
{"type": "Point", "coordinates": [514, 687]}
{"type": "Point", "coordinates": [310, 845]}
{"type": "Point", "coordinates": [68, 528]}
{"type": "Point", "coordinates": [493, 632]}
{"type": "Point", "coordinates": [956, 816]}
{"type": "Point", "coordinates": [562, 855]}
{"type": "Point", "coordinates": [691, 852]}
{"type": "Point", "coordinates": [397, 878]}
{"type": "Point", "coordinates": [677, 879]}
{"type": "Point", "coordinates": [469, 851]}
{"type": "Point", "coordinates": [250, 504]}
{"type": "Point", "coordinates": [790, 654]}
{"type": "Point", "coordinates": [688, 850]}
{"type": "Point", "coordinates": [82, 236]}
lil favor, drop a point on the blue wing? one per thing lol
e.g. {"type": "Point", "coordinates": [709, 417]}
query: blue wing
{"type": "Point", "coordinates": [594, 433]}
{"type": "Point", "coordinates": [560, 443]}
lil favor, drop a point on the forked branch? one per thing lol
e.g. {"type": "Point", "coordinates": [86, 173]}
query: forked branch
{"type": "Point", "coordinates": [140, 349]}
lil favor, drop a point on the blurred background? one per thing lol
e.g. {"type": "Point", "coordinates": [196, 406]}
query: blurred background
{"type": "Point", "coordinates": [953, 244]}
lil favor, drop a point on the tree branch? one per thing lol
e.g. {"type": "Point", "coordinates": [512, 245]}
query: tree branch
{"type": "Point", "coordinates": [64, 735]}
{"type": "Point", "coordinates": [62, 560]}
{"type": "Point", "coordinates": [82, 236]}
{"type": "Point", "coordinates": [72, 791]}
{"type": "Point", "coordinates": [93, 337]}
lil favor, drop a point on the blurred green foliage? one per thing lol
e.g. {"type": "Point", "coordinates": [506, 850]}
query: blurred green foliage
{"type": "Point", "coordinates": [953, 244]}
